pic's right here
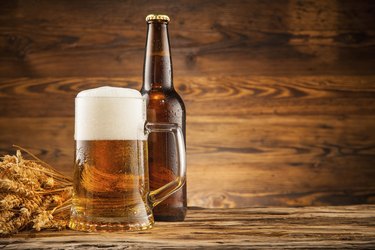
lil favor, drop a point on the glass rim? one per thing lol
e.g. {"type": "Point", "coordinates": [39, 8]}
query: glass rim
{"type": "Point", "coordinates": [109, 97]}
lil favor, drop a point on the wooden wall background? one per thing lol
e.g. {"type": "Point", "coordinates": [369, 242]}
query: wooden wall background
{"type": "Point", "coordinates": [280, 95]}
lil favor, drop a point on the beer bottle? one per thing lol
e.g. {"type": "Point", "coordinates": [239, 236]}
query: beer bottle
{"type": "Point", "coordinates": [164, 105]}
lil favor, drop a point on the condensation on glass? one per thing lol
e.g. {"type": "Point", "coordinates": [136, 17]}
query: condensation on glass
{"type": "Point", "coordinates": [163, 105]}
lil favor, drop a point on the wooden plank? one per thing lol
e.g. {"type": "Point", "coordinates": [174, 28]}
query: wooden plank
{"type": "Point", "coordinates": [306, 160]}
{"type": "Point", "coordinates": [266, 140]}
{"type": "Point", "coordinates": [250, 142]}
{"type": "Point", "coordinates": [258, 160]}
{"type": "Point", "coordinates": [231, 95]}
{"type": "Point", "coordinates": [96, 38]}
{"type": "Point", "coordinates": [349, 227]}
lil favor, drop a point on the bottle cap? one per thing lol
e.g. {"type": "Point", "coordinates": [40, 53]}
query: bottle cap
{"type": "Point", "coordinates": [157, 17]}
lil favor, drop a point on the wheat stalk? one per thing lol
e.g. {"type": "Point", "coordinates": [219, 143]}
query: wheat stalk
{"type": "Point", "coordinates": [33, 195]}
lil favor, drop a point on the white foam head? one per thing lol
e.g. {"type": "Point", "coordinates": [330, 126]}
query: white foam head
{"type": "Point", "coordinates": [109, 113]}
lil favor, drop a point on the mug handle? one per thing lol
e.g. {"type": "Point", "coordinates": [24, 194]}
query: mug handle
{"type": "Point", "coordinates": [162, 193]}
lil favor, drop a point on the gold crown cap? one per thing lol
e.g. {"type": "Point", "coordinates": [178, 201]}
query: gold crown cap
{"type": "Point", "coordinates": [157, 17]}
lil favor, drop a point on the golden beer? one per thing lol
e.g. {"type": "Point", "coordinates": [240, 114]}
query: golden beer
{"type": "Point", "coordinates": [112, 185]}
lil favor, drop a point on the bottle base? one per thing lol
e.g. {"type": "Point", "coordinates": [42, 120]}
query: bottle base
{"type": "Point", "coordinates": [169, 218]}
{"type": "Point", "coordinates": [170, 215]}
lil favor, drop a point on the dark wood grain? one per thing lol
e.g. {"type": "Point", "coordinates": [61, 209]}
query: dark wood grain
{"type": "Point", "coordinates": [97, 38]}
{"type": "Point", "coordinates": [267, 140]}
{"type": "Point", "coordinates": [231, 95]}
{"type": "Point", "coordinates": [254, 164]}
{"type": "Point", "coordinates": [350, 227]}
{"type": "Point", "coordinates": [280, 95]}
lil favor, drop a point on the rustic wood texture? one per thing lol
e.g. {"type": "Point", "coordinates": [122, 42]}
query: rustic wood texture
{"type": "Point", "coordinates": [350, 227]}
{"type": "Point", "coordinates": [106, 38]}
{"type": "Point", "coordinates": [267, 140]}
{"type": "Point", "coordinates": [280, 95]}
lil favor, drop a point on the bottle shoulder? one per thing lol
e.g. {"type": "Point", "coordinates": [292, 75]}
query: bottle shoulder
{"type": "Point", "coordinates": [165, 106]}
{"type": "Point", "coordinates": [165, 97]}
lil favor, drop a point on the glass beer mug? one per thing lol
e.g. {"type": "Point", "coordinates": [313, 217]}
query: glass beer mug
{"type": "Point", "coordinates": [111, 182]}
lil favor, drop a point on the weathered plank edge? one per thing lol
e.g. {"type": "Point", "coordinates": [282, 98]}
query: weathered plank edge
{"type": "Point", "coordinates": [264, 227]}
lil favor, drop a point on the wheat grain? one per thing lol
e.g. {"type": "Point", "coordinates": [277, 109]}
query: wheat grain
{"type": "Point", "coordinates": [42, 220]}
{"type": "Point", "coordinates": [5, 216]}
{"type": "Point", "coordinates": [16, 188]}
{"type": "Point", "coordinates": [15, 224]}
{"type": "Point", "coordinates": [16, 173]}
{"type": "Point", "coordinates": [32, 195]}
{"type": "Point", "coordinates": [10, 201]}
{"type": "Point", "coordinates": [32, 204]}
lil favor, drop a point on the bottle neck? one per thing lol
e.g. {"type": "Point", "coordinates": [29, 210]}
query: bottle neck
{"type": "Point", "coordinates": [157, 71]}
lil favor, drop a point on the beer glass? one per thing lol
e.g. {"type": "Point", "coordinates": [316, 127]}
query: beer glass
{"type": "Point", "coordinates": [111, 180]}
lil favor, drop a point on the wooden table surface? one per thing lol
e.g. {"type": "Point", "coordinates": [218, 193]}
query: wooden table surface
{"type": "Point", "coordinates": [305, 227]}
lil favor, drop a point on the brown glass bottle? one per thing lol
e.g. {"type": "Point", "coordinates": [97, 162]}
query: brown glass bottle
{"type": "Point", "coordinates": [163, 105]}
